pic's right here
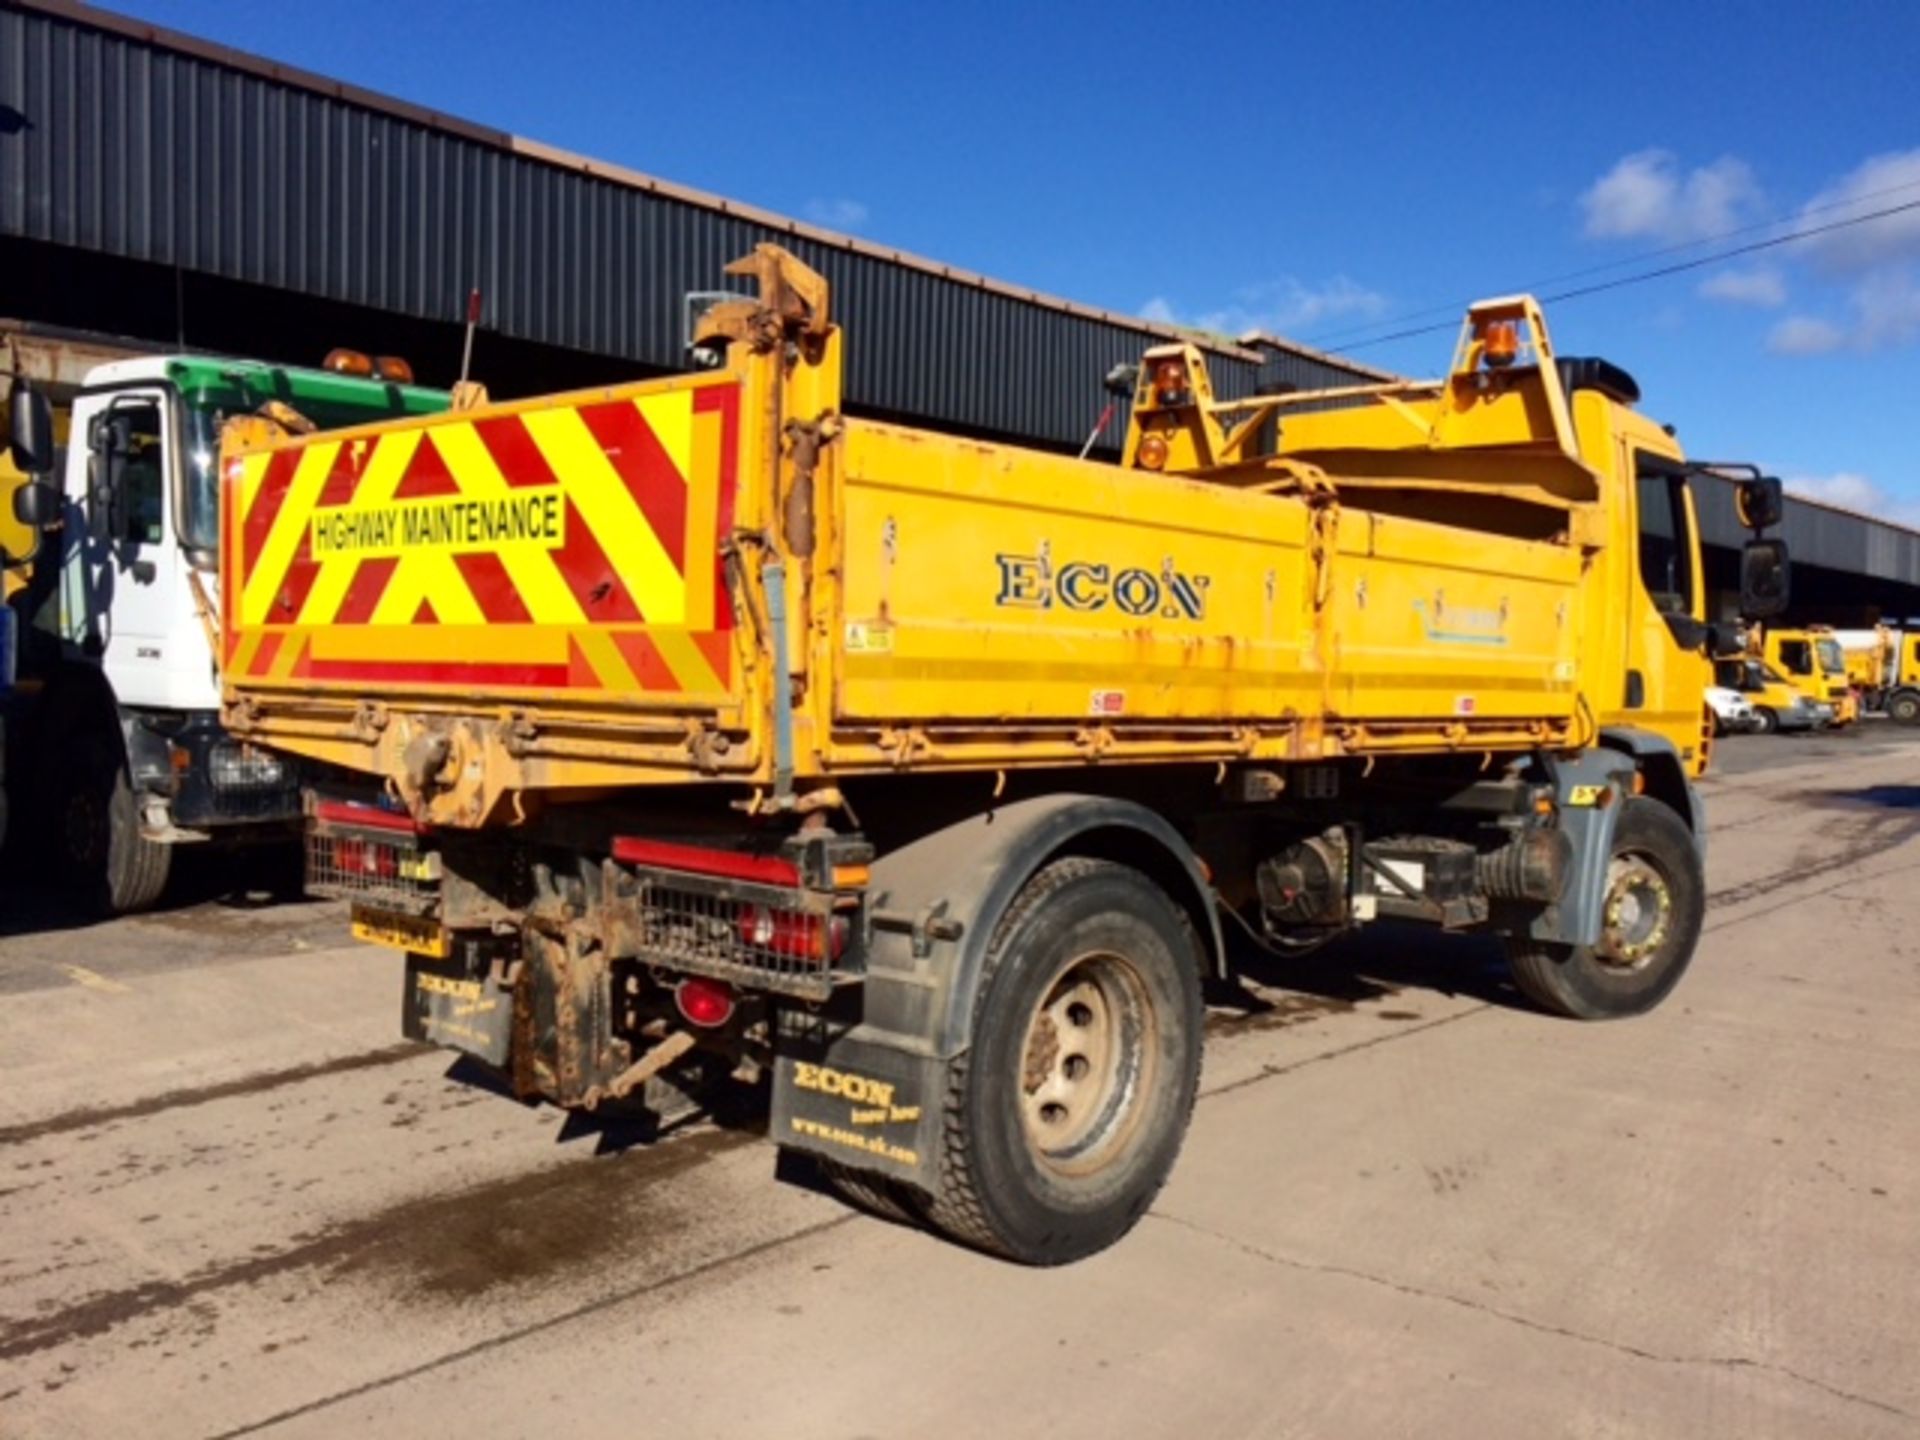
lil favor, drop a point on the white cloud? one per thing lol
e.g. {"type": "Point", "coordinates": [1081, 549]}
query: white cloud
{"type": "Point", "coordinates": [1805, 335]}
{"type": "Point", "coordinates": [1863, 279]}
{"type": "Point", "coordinates": [1884, 314]}
{"type": "Point", "coordinates": [838, 214]}
{"type": "Point", "coordinates": [1276, 307]}
{"type": "Point", "coordinates": [1645, 195]}
{"type": "Point", "coordinates": [1844, 488]}
{"type": "Point", "coordinates": [1886, 305]}
{"type": "Point", "coordinates": [1851, 491]}
{"type": "Point", "coordinates": [1763, 286]}
{"type": "Point", "coordinates": [1873, 243]}
{"type": "Point", "coordinates": [1877, 261]}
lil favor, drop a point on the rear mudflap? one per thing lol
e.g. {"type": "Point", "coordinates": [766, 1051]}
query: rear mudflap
{"type": "Point", "coordinates": [459, 1003]}
{"type": "Point", "coordinates": [866, 1099]}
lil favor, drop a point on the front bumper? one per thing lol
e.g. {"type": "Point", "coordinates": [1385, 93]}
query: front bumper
{"type": "Point", "coordinates": [206, 779]}
{"type": "Point", "coordinates": [1808, 715]}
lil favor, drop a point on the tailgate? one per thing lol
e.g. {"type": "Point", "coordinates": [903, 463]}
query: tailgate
{"type": "Point", "coordinates": [565, 550]}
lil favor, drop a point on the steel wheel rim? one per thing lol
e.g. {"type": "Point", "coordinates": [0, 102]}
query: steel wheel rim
{"type": "Point", "coordinates": [1638, 914]}
{"type": "Point", "coordinates": [1086, 1065]}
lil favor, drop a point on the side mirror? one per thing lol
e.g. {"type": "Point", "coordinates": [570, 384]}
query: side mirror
{"type": "Point", "coordinates": [111, 441]}
{"type": "Point", "coordinates": [1765, 579]}
{"type": "Point", "coordinates": [30, 441]}
{"type": "Point", "coordinates": [1760, 502]}
{"type": "Point", "coordinates": [1122, 379]}
{"type": "Point", "coordinates": [36, 505]}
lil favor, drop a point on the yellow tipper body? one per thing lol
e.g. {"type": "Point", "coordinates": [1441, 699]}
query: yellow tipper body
{"type": "Point", "coordinates": [720, 577]}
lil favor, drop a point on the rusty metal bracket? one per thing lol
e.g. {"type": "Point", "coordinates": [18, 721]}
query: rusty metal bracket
{"type": "Point", "coordinates": [792, 306]}
{"type": "Point", "coordinates": [642, 1070]}
{"type": "Point", "coordinates": [707, 746]}
{"type": "Point", "coordinates": [805, 440]}
{"type": "Point", "coordinates": [930, 924]}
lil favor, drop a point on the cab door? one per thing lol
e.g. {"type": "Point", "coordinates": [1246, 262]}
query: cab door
{"type": "Point", "coordinates": [119, 601]}
{"type": "Point", "coordinates": [1667, 669]}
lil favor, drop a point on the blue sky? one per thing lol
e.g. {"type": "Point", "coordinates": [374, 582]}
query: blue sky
{"type": "Point", "coordinates": [1323, 171]}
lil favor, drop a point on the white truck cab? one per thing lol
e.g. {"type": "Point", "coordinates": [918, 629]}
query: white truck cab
{"type": "Point", "coordinates": [134, 759]}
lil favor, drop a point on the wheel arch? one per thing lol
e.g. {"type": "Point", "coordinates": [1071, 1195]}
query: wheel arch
{"type": "Point", "coordinates": [975, 868]}
{"type": "Point", "coordinates": [78, 693]}
{"type": "Point", "coordinates": [1663, 774]}
{"type": "Point", "coordinates": [75, 712]}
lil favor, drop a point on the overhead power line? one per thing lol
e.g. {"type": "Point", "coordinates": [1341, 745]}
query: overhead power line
{"type": "Point", "coordinates": [1659, 272]}
{"type": "Point", "coordinates": [1335, 338]}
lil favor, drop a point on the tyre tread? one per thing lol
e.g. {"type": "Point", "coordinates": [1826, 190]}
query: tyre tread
{"type": "Point", "coordinates": [957, 1209]}
{"type": "Point", "coordinates": [878, 1195]}
{"type": "Point", "coordinates": [137, 881]}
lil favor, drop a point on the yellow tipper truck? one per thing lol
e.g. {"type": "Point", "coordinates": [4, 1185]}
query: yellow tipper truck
{"type": "Point", "coordinates": [709, 729]}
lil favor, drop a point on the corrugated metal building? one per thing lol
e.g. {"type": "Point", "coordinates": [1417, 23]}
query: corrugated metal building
{"type": "Point", "coordinates": [156, 186]}
{"type": "Point", "coordinates": [150, 146]}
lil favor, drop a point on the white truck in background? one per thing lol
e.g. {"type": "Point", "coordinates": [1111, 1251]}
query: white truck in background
{"type": "Point", "coordinates": [115, 745]}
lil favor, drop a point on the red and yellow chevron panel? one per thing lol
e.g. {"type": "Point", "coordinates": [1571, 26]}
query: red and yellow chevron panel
{"type": "Point", "coordinates": [570, 547]}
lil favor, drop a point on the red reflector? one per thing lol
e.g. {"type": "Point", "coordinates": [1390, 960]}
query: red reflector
{"type": "Point", "coordinates": [696, 860]}
{"type": "Point", "coordinates": [336, 812]}
{"type": "Point", "coordinates": [705, 1003]}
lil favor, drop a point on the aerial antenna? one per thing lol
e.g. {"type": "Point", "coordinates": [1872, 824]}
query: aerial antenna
{"type": "Point", "coordinates": [473, 320]}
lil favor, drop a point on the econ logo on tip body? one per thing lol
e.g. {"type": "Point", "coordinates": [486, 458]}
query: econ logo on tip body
{"type": "Point", "coordinates": [571, 547]}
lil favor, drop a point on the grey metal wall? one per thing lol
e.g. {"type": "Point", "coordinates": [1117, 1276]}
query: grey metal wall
{"type": "Point", "coordinates": [116, 143]}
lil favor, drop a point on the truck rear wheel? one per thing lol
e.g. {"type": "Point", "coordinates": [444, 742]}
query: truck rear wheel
{"type": "Point", "coordinates": [114, 869]}
{"type": "Point", "coordinates": [1064, 1118]}
{"type": "Point", "coordinates": [1650, 924]}
{"type": "Point", "coordinates": [1904, 707]}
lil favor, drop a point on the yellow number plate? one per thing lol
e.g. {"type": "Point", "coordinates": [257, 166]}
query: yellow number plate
{"type": "Point", "coordinates": [400, 932]}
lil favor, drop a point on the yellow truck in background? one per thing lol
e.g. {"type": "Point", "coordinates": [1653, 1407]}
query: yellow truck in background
{"type": "Point", "coordinates": [706, 730]}
{"type": "Point", "coordinates": [1885, 664]}
{"type": "Point", "coordinates": [1869, 655]}
{"type": "Point", "coordinates": [1813, 663]}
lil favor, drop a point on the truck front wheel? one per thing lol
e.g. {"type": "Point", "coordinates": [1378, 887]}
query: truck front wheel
{"type": "Point", "coordinates": [1064, 1117]}
{"type": "Point", "coordinates": [113, 867]}
{"type": "Point", "coordinates": [1649, 925]}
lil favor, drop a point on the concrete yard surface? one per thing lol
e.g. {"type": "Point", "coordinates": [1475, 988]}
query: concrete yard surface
{"type": "Point", "coordinates": [233, 1202]}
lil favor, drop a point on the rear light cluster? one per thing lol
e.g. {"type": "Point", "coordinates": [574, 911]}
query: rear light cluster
{"type": "Point", "coordinates": [353, 856]}
{"type": "Point", "coordinates": [770, 923]}
{"type": "Point", "coordinates": [792, 933]}
{"type": "Point", "coordinates": [370, 856]}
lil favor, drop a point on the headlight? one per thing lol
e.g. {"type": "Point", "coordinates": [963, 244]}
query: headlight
{"type": "Point", "coordinates": [237, 766]}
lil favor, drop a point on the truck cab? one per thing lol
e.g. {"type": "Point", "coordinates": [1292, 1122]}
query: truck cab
{"type": "Point", "coordinates": [127, 722]}
{"type": "Point", "coordinates": [1814, 664]}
